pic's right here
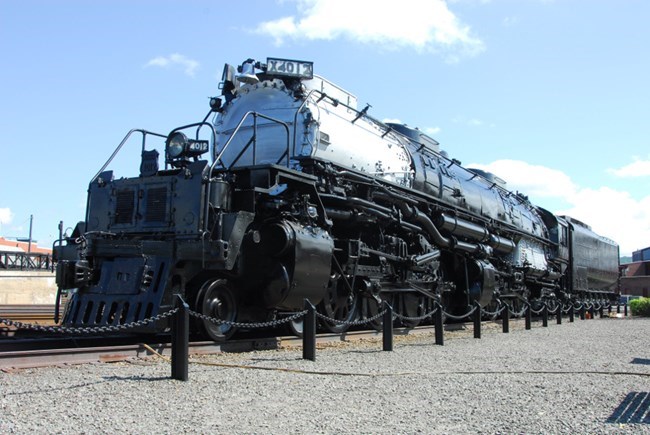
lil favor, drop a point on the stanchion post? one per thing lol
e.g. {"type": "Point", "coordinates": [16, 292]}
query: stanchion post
{"type": "Point", "coordinates": [625, 309]}
{"type": "Point", "coordinates": [545, 316]}
{"type": "Point", "coordinates": [437, 320]}
{"type": "Point", "coordinates": [618, 307]}
{"type": "Point", "coordinates": [592, 313]}
{"type": "Point", "coordinates": [477, 320]}
{"type": "Point", "coordinates": [529, 316]}
{"type": "Point", "coordinates": [388, 327]}
{"type": "Point", "coordinates": [558, 313]}
{"type": "Point", "coordinates": [609, 309]}
{"type": "Point", "coordinates": [309, 332]}
{"type": "Point", "coordinates": [506, 319]}
{"type": "Point", "coordinates": [180, 340]}
{"type": "Point", "coordinates": [601, 311]}
{"type": "Point", "coordinates": [582, 311]}
{"type": "Point", "coordinates": [572, 313]}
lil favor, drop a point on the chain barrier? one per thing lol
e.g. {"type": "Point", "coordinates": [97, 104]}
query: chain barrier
{"type": "Point", "coordinates": [284, 320]}
{"type": "Point", "coordinates": [519, 314]}
{"type": "Point", "coordinates": [416, 319]}
{"type": "Point", "coordinates": [88, 329]}
{"type": "Point", "coordinates": [259, 325]}
{"type": "Point", "coordinates": [553, 311]}
{"type": "Point", "coordinates": [493, 313]}
{"type": "Point", "coordinates": [460, 317]}
{"type": "Point", "coordinates": [353, 322]}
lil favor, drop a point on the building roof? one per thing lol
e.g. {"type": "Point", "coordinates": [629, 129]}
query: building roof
{"type": "Point", "coordinates": [9, 245]}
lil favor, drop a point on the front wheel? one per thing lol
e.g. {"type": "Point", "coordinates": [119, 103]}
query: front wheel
{"type": "Point", "coordinates": [217, 300]}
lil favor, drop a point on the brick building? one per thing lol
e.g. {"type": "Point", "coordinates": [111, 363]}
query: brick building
{"type": "Point", "coordinates": [635, 276]}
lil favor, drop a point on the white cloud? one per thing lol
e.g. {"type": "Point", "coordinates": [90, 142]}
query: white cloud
{"type": "Point", "coordinates": [426, 25]}
{"type": "Point", "coordinates": [432, 130]}
{"type": "Point", "coordinates": [639, 168]}
{"type": "Point", "coordinates": [510, 21]}
{"type": "Point", "coordinates": [533, 180]}
{"type": "Point", "coordinates": [188, 65]}
{"type": "Point", "coordinates": [610, 213]}
{"type": "Point", "coordinates": [6, 216]}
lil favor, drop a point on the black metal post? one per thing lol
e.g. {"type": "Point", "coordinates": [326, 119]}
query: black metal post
{"type": "Point", "coordinates": [388, 327]}
{"type": "Point", "coordinates": [601, 311]}
{"type": "Point", "coordinates": [558, 313]}
{"type": "Point", "coordinates": [609, 309]}
{"type": "Point", "coordinates": [545, 316]}
{"type": "Point", "coordinates": [582, 312]}
{"type": "Point", "coordinates": [618, 308]}
{"type": "Point", "coordinates": [309, 332]}
{"type": "Point", "coordinates": [477, 321]}
{"type": "Point", "coordinates": [625, 309]}
{"type": "Point", "coordinates": [592, 313]}
{"type": "Point", "coordinates": [572, 313]}
{"type": "Point", "coordinates": [529, 316]}
{"type": "Point", "coordinates": [180, 340]}
{"type": "Point", "coordinates": [437, 320]}
{"type": "Point", "coordinates": [506, 319]}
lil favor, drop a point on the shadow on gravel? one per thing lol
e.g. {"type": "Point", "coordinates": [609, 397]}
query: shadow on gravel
{"type": "Point", "coordinates": [635, 408]}
{"type": "Point", "coordinates": [643, 361]}
{"type": "Point", "coordinates": [136, 378]}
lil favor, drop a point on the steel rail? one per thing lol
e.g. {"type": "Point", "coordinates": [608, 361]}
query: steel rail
{"type": "Point", "coordinates": [22, 359]}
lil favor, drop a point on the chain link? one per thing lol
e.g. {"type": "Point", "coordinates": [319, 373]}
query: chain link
{"type": "Point", "coordinates": [415, 319]}
{"type": "Point", "coordinates": [88, 329]}
{"type": "Point", "coordinates": [464, 316]}
{"type": "Point", "coordinates": [352, 322]}
{"type": "Point", "coordinates": [493, 313]}
{"type": "Point", "coordinates": [272, 323]}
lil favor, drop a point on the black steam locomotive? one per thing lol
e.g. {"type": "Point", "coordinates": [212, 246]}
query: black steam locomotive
{"type": "Point", "coordinates": [291, 193]}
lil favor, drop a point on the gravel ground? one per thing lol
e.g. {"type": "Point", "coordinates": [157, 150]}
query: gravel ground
{"type": "Point", "coordinates": [568, 378]}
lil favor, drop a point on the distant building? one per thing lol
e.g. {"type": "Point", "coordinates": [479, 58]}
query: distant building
{"type": "Point", "coordinates": [641, 255]}
{"type": "Point", "coordinates": [635, 276]}
{"type": "Point", "coordinates": [14, 245]}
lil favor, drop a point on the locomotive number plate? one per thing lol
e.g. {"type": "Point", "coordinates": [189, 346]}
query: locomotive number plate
{"type": "Point", "coordinates": [292, 68]}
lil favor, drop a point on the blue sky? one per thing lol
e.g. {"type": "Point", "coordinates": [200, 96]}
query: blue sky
{"type": "Point", "coordinates": [552, 96]}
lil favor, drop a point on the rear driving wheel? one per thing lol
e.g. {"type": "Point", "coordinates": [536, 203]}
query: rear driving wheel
{"type": "Point", "coordinates": [339, 304]}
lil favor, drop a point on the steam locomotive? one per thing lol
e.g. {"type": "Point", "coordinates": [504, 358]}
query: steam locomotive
{"type": "Point", "coordinates": [291, 192]}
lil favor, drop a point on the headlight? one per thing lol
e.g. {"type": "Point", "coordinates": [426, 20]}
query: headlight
{"type": "Point", "coordinates": [176, 145]}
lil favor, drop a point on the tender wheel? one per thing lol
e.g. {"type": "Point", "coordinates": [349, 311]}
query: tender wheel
{"type": "Point", "coordinates": [338, 304]}
{"type": "Point", "coordinates": [217, 300]}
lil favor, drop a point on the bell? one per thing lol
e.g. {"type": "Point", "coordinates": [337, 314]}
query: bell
{"type": "Point", "coordinates": [247, 74]}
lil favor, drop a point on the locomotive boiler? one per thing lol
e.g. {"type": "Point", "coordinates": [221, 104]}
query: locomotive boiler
{"type": "Point", "coordinates": [293, 192]}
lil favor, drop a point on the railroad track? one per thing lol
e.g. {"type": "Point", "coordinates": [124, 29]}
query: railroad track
{"type": "Point", "coordinates": [42, 314]}
{"type": "Point", "coordinates": [31, 353]}
{"type": "Point", "coordinates": [43, 357]}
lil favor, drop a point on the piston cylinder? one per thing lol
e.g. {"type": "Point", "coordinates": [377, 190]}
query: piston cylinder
{"type": "Point", "coordinates": [462, 228]}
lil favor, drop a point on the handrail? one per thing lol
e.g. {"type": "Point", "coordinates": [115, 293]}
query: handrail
{"type": "Point", "coordinates": [119, 147]}
{"type": "Point", "coordinates": [253, 140]}
{"type": "Point", "coordinates": [218, 157]}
